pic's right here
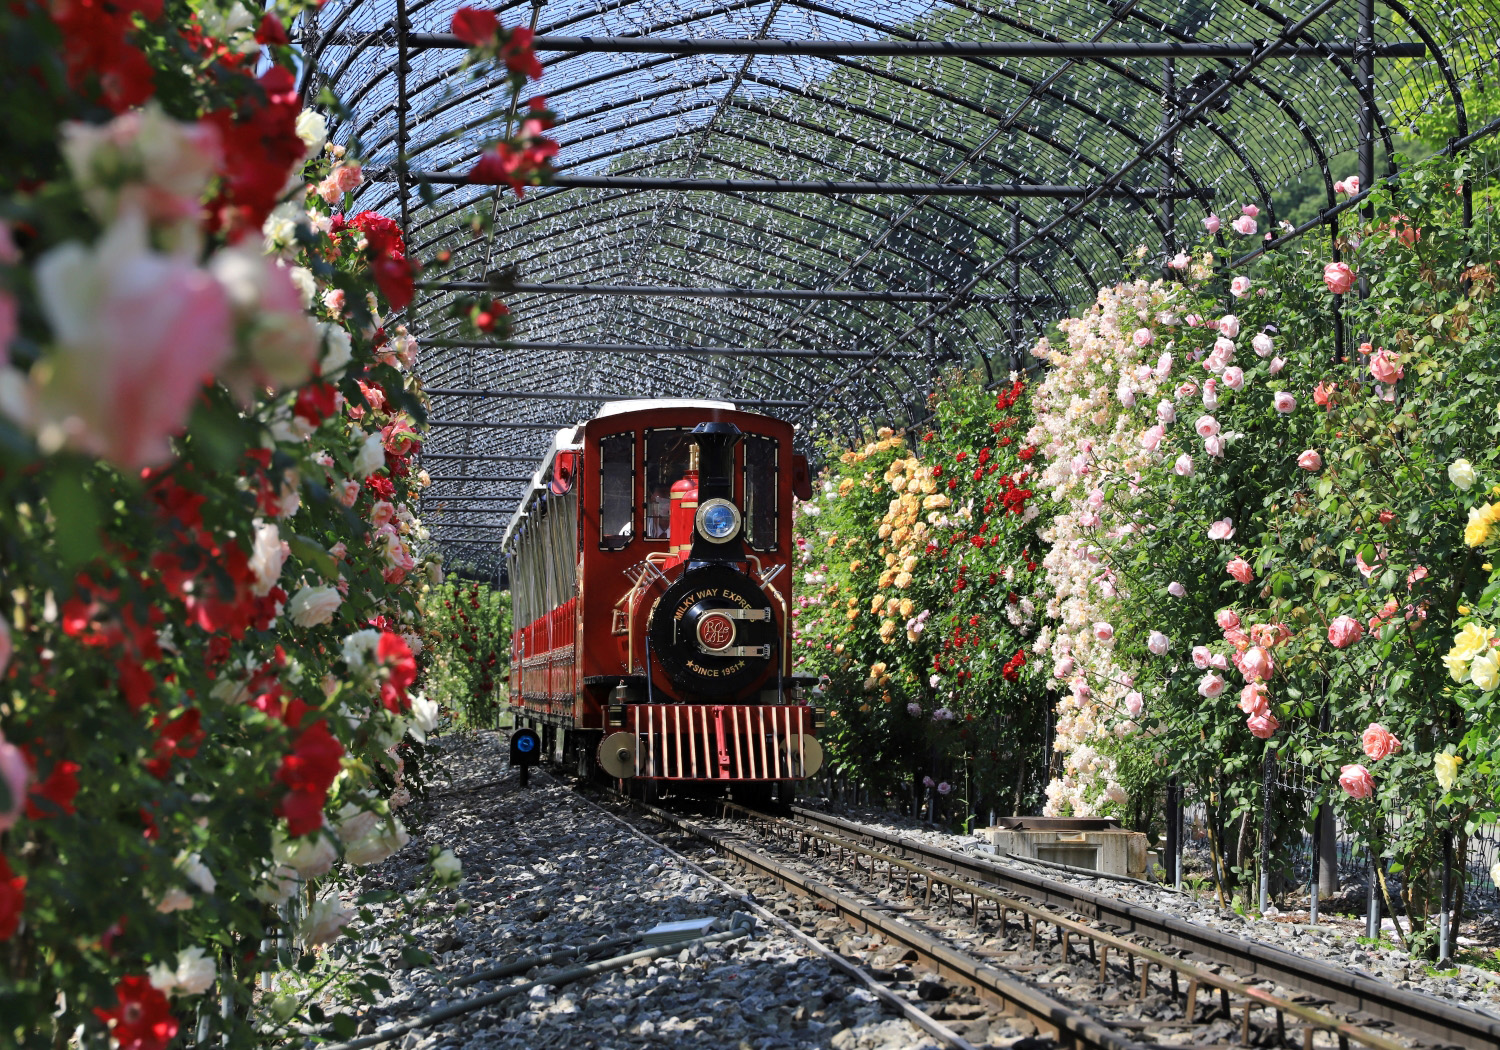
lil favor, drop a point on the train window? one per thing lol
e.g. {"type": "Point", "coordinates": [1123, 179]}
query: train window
{"type": "Point", "coordinates": [760, 491]}
{"type": "Point", "coordinates": [667, 455]}
{"type": "Point", "coordinates": [616, 491]}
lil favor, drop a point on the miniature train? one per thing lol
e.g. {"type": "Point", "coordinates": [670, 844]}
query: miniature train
{"type": "Point", "coordinates": [651, 574]}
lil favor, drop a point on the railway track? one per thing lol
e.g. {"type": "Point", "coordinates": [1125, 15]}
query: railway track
{"type": "Point", "coordinates": [1432, 1021]}
{"type": "Point", "coordinates": [1042, 922]}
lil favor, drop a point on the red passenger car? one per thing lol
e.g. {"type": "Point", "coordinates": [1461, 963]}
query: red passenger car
{"type": "Point", "coordinates": [650, 569]}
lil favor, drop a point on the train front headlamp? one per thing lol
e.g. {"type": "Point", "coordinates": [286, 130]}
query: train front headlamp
{"type": "Point", "coordinates": [718, 520]}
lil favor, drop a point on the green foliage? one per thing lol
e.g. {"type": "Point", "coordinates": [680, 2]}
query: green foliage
{"type": "Point", "coordinates": [466, 631]}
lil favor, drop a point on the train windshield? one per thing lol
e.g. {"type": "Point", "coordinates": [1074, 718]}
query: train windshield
{"type": "Point", "coordinates": [667, 457]}
{"type": "Point", "coordinates": [760, 491]}
{"type": "Point", "coordinates": [616, 491]}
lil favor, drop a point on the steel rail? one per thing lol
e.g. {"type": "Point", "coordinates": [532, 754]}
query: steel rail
{"type": "Point", "coordinates": [1068, 1026]}
{"type": "Point", "coordinates": [485, 424]}
{"type": "Point", "coordinates": [949, 48]}
{"type": "Point", "coordinates": [659, 349]}
{"type": "Point", "coordinates": [1195, 973]}
{"type": "Point", "coordinates": [1418, 1014]}
{"type": "Point", "coordinates": [557, 395]}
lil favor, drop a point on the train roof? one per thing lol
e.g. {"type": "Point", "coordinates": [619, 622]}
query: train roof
{"type": "Point", "coordinates": [617, 408]}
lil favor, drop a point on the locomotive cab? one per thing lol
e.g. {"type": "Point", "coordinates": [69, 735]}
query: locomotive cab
{"type": "Point", "coordinates": [669, 657]}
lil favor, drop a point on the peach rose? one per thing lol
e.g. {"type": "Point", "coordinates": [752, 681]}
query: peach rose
{"type": "Point", "coordinates": [1378, 741]}
{"type": "Point", "coordinates": [1240, 570]}
{"type": "Point", "coordinates": [1356, 781]}
{"type": "Point", "coordinates": [1344, 631]}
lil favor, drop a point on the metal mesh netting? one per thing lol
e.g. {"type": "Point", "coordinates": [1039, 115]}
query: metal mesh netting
{"type": "Point", "coordinates": [1040, 121]}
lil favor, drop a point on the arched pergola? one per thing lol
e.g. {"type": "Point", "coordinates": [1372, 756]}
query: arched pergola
{"type": "Point", "coordinates": [807, 206]}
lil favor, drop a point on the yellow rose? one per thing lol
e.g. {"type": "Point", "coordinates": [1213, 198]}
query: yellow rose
{"type": "Point", "coordinates": [1485, 671]}
{"type": "Point", "coordinates": [903, 580]}
{"type": "Point", "coordinates": [1445, 768]}
{"type": "Point", "coordinates": [845, 486]}
{"type": "Point", "coordinates": [935, 502]}
{"type": "Point", "coordinates": [1477, 531]}
{"type": "Point", "coordinates": [909, 564]}
{"type": "Point", "coordinates": [1472, 640]}
{"type": "Point", "coordinates": [898, 484]}
{"type": "Point", "coordinates": [886, 578]}
{"type": "Point", "coordinates": [1458, 666]}
{"type": "Point", "coordinates": [907, 607]}
{"type": "Point", "coordinates": [1490, 513]}
{"type": "Point", "coordinates": [877, 669]}
{"type": "Point", "coordinates": [884, 531]}
{"type": "Point", "coordinates": [855, 565]}
{"type": "Point", "coordinates": [875, 604]}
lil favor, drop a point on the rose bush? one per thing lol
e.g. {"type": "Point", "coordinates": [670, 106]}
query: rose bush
{"type": "Point", "coordinates": [918, 560]}
{"type": "Point", "coordinates": [467, 631]}
{"type": "Point", "coordinates": [209, 543]}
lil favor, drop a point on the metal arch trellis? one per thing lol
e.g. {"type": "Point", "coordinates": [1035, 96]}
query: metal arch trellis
{"type": "Point", "coordinates": [745, 293]}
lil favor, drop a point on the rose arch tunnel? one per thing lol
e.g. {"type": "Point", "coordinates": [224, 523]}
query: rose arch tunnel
{"type": "Point", "coordinates": [809, 207]}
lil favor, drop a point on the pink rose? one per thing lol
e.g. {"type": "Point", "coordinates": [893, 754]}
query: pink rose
{"type": "Point", "coordinates": [1183, 468]}
{"type": "Point", "coordinates": [1211, 224]}
{"type": "Point", "coordinates": [1158, 643]}
{"type": "Point", "coordinates": [1415, 576]}
{"type": "Point", "coordinates": [1201, 657]}
{"type": "Point", "coordinates": [1250, 210]}
{"type": "Point", "coordinates": [1237, 638]}
{"type": "Point", "coordinates": [1310, 460]}
{"type": "Point", "coordinates": [1244, 225]}
{"type": "Point", "coordinates": [5, 646]}
{"type": "Point", "coordinates": [135, 335]}
{"type": "Point", "coordinates": [1223, 529]}
{"type": "Point", "coordinates": [1152, 437]}
{"type": "Point", "coordinates": [1338, 277]}
{"type": "Point", "coordinates": [1206, 426]}
{"type": "Point", "coordinates": [1210, 394]}
{"type": "Point", "coordinates": [1234, 377]}
{"type": "Point", "coordinates": [914, 709]}
{"type": "Point", "coordinates": [1176, 590]}
{"type": "Point", "coordinates": [1142, 337]}
{"type": "Point", "coordinates": [348, 492]}
{"type": "Point", "coordinates": [1254, 699]}
{"type": "Point", "coordinates": [1262, 726]}
{"type": "Point", "coordinates": [1064, 667]}
{"type": "Point", "coordinates": [1179, 261]}
{"type": "Point", "coordinates": [1285, 403]}
{"type": "Point", "coordinates": [1187, 389]}
{"type": "Point", "coordinates": [1356, 782]}
{"type": "Point", "coordinates": [1262, 345]}
{"type": "Point", "coordinates": [1219, 662]}
{"type": "Point", "coordinates": [1277, 364]}
{"type": "Point", "coordinates": [1240, 570]}
{"type": "Point", "coordinates": [1166, 412]}
{"type": "Point", "coordinates": [1227, 619]}
{"type": "Point", "coordinates": [1229, 327]}
{"type": "Point", "coordinates": [16, 774]}
{"type": "Point", "coordinates": [382, 513]}
{"type": "Point", "coordinates": [1239, 286]}
{"type": "Point", "coordinates": [1386, 366]}
{"type": "Point", "coordinates": [1378, 741]}
{"type": "Point", "coordinates": [1134, 703]}
{"type": "Point", "coordinates": [1344, 631]}
{"type": "Point", "coordinates": [1103, 632]}
{"type": "Point", "coordinates": [1163, 366]}
{"type": "Point", "coordinates": [1349, 185]}
{"type": "Point", "coordinates": [1257, 664]}
{"type": "Point", "coordinates": [339, 551]}
{"type": "Point", "coordinates": [1214, 446]}
{"type": "Point", "coordinates": [1211, 685]}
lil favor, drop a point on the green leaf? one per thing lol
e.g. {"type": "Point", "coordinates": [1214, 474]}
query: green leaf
{"type": "Point", "coordinates": [76, 515]}
{"type": "Point", "coordinates": [344, 1026]}
{"type": "Point", "coordinates": [313, 553]}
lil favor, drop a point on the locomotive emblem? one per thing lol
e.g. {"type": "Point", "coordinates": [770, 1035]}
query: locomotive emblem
{"type": "Point", "coordinates": [716, 631]}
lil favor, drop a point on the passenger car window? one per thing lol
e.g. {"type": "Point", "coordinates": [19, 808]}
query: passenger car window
{"type": "Point", "coordinates": [616, 491]}
{"type": "Point", "coordinates": [667, 456]}
{"type": "Point", "coordinates": [760, 491]}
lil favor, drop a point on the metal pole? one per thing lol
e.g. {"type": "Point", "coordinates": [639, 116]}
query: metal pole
{"type": "Point", "coordinates": [647, 348]}
{"type": "Point", "coordinates": [1312, 908]}
{"type": "Point", "coordinates": [1169, 151]}
{"type": "Point", "coordinates": [856, 295]}
{"type": "Point", "coordinates": [1015, 287]}
{"type": "Point", "coordinates": [562, 395]}
{"type": "Point", "coordinates": [1445, 914]}
{"type": "Point", "coordinates": [646, 45]}
{"type": "Point", "coordinates": [1268, 787]}
{"type": "Point", "coordinates": [1173, 847]}
{"type": "Point", "coordinates": [1328, 853]}
{"type": "Point", "coordinates": [487, 425]}
{"type": "Point", "coordinates": [1372, 896]}
{"type": "Point", "coordinates": [401, 107]}
{"type": "Point", "coordinates": [821, 187]}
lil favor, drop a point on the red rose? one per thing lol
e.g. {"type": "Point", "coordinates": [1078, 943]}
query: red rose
{"type": "Point", "coordinates": [12, 900]}
{"type": "Point", "coordinates": [475, 26]}
{"type": "Point", "coordinates": [142, 1019]}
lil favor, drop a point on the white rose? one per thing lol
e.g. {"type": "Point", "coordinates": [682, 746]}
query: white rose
{"type": "Point", "coordinates": [191, 865]}
{"type": "Point", "coordinates": [194, 973]}
{"type": "Point", "coordinates": [1461, 473]}
{"type": "Point", "coordinates": [355, 823]}
{"type": "Point", "coordinates": [268, 555]}
{"type": "Point", "coordinates": [312, 606]}
{"type": "Point", "coordinates": [324, 922]}
{"type": "Point", "coordinates": [446, 867]}
{"type": "Point", "coordinates": [307, 287]}
{"type": "Point", "coordinates": [386, 839]}
{"type": "Point", "coordinates": [424, 714]}
{"type": "Point", "coordinates": [359, 646]}
{"type": "Point", "coordinates": [312, 129]}
{"type": "Point", "coordinates": [338, 350]}
{"type": "Point", "coordinates": [308, 855]}
{"type": "Point", "coordinates": [371, 457]}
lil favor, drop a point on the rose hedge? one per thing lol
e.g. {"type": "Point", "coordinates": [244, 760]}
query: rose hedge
{"type": "Point", "coordinates": [915, 602]}
{"type": "Point", "coordinates": [467, 631]}
{"type": "Point", "coordinates": [209, 545]}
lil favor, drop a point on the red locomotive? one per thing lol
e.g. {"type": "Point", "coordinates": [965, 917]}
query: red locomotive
{"type": "Point", "coordinates": [650, 569]}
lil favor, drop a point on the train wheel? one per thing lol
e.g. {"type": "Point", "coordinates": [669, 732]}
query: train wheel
{"type": "Point", "coordinates": [786, 793]}
{"type": "Point", "coordinates": [754, 794]}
